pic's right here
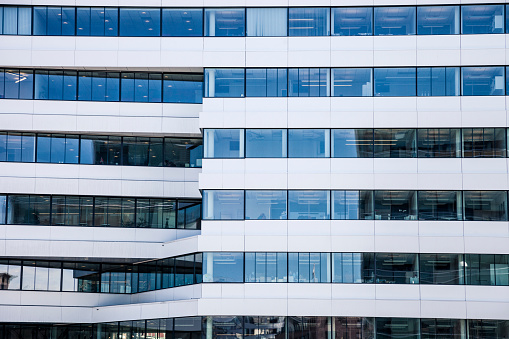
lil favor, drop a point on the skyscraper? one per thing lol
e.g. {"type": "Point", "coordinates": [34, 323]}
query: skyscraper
{"type": "Point", "coordinates": [219, 169]}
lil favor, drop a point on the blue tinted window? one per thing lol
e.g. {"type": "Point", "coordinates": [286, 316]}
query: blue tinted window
{"type": "Point", "coordinates": [308, 21]}
{"type": "Point", "coordinates": [438, 81]}
{"type": "Point", "coordinates": [266, 82]}
{"type": "Point", "coordinates": [352, 205]}
{"type": "Point", "coordinates": [112, 86]}
{"type": "Point", "coordinates": [57, 153]}
{"type": "Point", "coordinates": [308, 205]}
{"type": "Point", "coordinates": [68, 20]}
{"type": "Point", "coordinates": [11, 84]}
{"type": "Point", "coordinates": [83, 21]}
{"type": "Point", "coordinates": [395, 20]}
{"type": "Point", "coordinates": [140, 22]}
{"type": "Point", "coordinates": [26, 84]}
{"type": "Point", "coordinates": [43, 147]}
{"type": "Point", "coordinates": [69, 92]}
{"type": "Point", "coordinates": [267, 21]}
{"type": "Point", "coordinates": [56, 85]}
{"type": "Point", "coordinates": [352, 82]}
{"type": "Point", "coordinates": [97, 21]}
{"type": "Point", "coordinates": [14, 147]}
{"type": "Point", "coordinates": [24, 21]}
{"type": "Point", "coordinates": [72, 146]}
{"type": "Point", "coordinates": [224, 83]}
{"type": "Point", "coordinates": [127, 87]}
{"type": "Point", "coordinates": [506, 19]}
{"type": "Point", "coordinates": [308, 82]}
{"type": "Point", "coordinates": [18, 84]}
{"type": "Point", "coordinates": [224, 22]}
{"type": "Point", "coordinates": [266, 143]}
{"type": "Point", "coordinates": [28, 147]}
{"type": "Point", "coordinates": [223, 267]}
{"type": "Point", "coordinates": [3, 146]}
{"type": "Point", "coordinates": [482, 19]}
{"type": "Point", "coordinates": [40, 21]}
{"type": "Point", "coordinates": [224, 143]}
{"type": "Point", "coordinates": [41, 85]}
{"type": "Point", "coordinates": [98, 86]}
{"type": "Point", "coordinates": [433, 20]}
{"type": "Point", "coordinates": [2, 85]}
{"type": "Point", "coordinates": [352, 21]}
{"type": "Point", "coordinates": [185, 88]}
{"type": "Point", "coordinates": [483, 80]}
{"type": "Point", "coordinates": [266, 205]}
{"type": "Point", "coordinates": [223, 205]}
{"type": "Point", "coordinates": [85, 86]}
{"type": "Point", "coordinates": [308, 143]}
{"type": "Point", "coordinates": [1, 20]}
{"type": "Point", "coordinates": [352, 143]}
{"type": "Point", "coordinates": [182, 22]}
{"type": "Point", "coordinates": [155, 82]}
{"type": "Point", "coordinates": [10, 22]}
{"type": "Point", "coordinates": [395, 82]}
{"type": "Point", "coordinates": [54, 21]}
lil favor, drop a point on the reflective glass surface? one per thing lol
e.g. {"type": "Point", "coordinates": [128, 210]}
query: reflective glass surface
{"type": "Point", "coordinates": [487, 269]}
{"type": "Point", "coordinates": [395, 20]}
{"type": "Point", "coordinates": [395, 205]}
{"type": "Point", "coordinates": [182, 22]}
{"type": "Point", "coordinates": [267, 21]}
{"type": "Point", "coordinates": [224, 143]}
{"type": "Point", "coordinates": [395, 82]}
{"type": "Point", "coordinates": [223, 205]}
{"type": "Point", "coordinates": [225, 22]}
{"type": "Point", "coordinates": [352, 205]}
{"type": "Point", "coordinates": [483, 80]}
{"type": "Point", "coordinates": [352, 143]}
{"type": "Point", "coordinates": [484, 143]}
{"type": "Point", "coordinates": [266, 82]}
{"type": "Point", "coordinates": [224, 83]}
{"type": "Point", "coordinates": [439, 205]}
{"type": "Point", "coordinates": [442, 269]}
{"type": "Point", "coordinates": [266, 205]}
{"type": "Point", "coordinates": [352, 82]}
{"type": "Point", "coordinates": [482, 19]}
{"type": "Point", "coordinates": [439, 143]}
{"type": "Point", "coordinates": [395, 143]}
{"type": "Point", "coordinates": [266, 143]}
{"type": "Point", "coordinates": [308, 82]}
{"type": "Point", "coordinates": [396, 268]}
{"type": "Point", "coordinates": [223, 267]}
{"type": "Point", "coordinates": [353, 268]}
{"type": "Point", "coordinates": [308, 143]}
{"type": "Point", "coordinates": [308, 205]}
{"type": "Point", "coordinates": [438, 81]}
{"type": "Point", "coordinates": [308, 21]}
{"type": "Point", "coordinates": [140, 22]}
{"type": "Point", "coordinates": [352, 21]}
{"type": "Point", "coordinates": [308, 267]}
{"type": "Point", "coordinates": [485, 205]}
{"type": "Point", "coordinates": [397, 328]}
{"type": "Point", "coordinates": [434, 20]}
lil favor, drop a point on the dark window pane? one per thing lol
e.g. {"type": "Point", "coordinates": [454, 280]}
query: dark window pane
{"type": "Point", "coordinates": [182, 152]}
{"type": "Point", "coordinates": [395, 20]}
{"type": "Point", "coordinates": [439, 205]}
{"type": "Point", "coordinates": [482, 19]}
{"type": "Point", "coordinates": [439, 143]}
{"type": "Point", "coordinates": [127, 86]}
{"type": "Point", "coordinates": [485, 205]}
{"type": "Point", "coordinates": [308, 21]}
{"type": "Point", "coordinates": [155, 87]}
{"type": "Point", "coordinates": [395, 205]}
{"type": "Point", "coordinates": [3, 146]}
{"type": "Point", "coordinates": [68, 20]}
{"type": "Point", "coordinates": [352, 143]}
{"type": "Point", "coordinates": [407, 328]}
{"type": "Point", "coordinates": [443, 269]}
{"type": "Point", "coordinates": [140, 22]}
{"type": "Point", "coordinates": [352, 21]}
{"type": "Point", "coordinates": [434, 20]}
{"type": "Point", "coordinates": [135, 151]}
{"type": "Point", "coordinates": [352, 205]}
{"type": "Point", "coordinates": [308, 327]}
{"type": "Point", "coordinates": [224, 22]}
{"type": "Point", "coordinates": [484, 142]}
{"type": "Point", "coordinates": [44, 148]}
{"type": "Point", "coordinates": [69, 92]}
{"type": "Point", "coordinates": [395, 82]}
{"type": "Point", "coordinates": [442, 328]}
{"type": "Point", "coordinates": [182, 22]}
{"type": "Point", "coordinates": [83, 18]}
{"type": "Point", "coordinates": [395, 143]}
{"type": "Point", "coordinates": [86, 216]}
{"type": "Point", "coordinates": [40, 20]}
{"type": "Point", "coordinates": [399, 268]}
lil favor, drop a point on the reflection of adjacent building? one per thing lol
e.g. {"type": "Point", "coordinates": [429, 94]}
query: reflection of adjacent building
{"type": "Point", "coordinates": [4, 280]}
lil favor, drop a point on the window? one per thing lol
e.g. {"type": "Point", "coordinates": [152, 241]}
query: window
{"type": "Point", "coordinates": [395, 82]}
{"type": "Point", "coordinates": [140, 22]}
{"type": "Point", "coordinates": [267, 21]}
{"type": "Point", "coordinates": [352, 82]}
{"type": "Point", "coordinates": [265, 267]}
{"type": "Point", "coordinates": [266, 205]}
{"type": "Point", "coordinates": [353, 268]}
{"type": "Point", "coordinates": [484, 143]}
{"type": "Point", "coordinates": [225, 22]}
{"type": "Point", "coordinates": [308, 267]}
{"type": "Point", "coordinates": [352, 205]}
{"type": "Point", "coordinates": [223, 205]}
{"type": "Point", "coordinates": [99, 86]}
{"type": "Point", "coordinates": [397, 328]}
{"type": "Point", "coordinates": [308, 205]}
{"type": "Point", "coordinates": [482, 19]}
{"type": "Point", "coordinates": [439, 205]}
{"type": "Point", "coordinates": [54, 20]}
{"type": "Point", "coordinates": [442, 269]}
{"type": "Point", "coordinates": [223, 267]}
{"type": "Point", "coordinates": [356, 327]}
{"type": "Point", "coordinates": [183, 88]}
{"type": "Point", "coordinates": [18, 84]}
{"type": "Point", "coordinates": [3, 210]}
{"type": "Point", "coordinates": [183, 152]}
{"type": "Point", "coordinates": [352, 143]}
{"type": "Point", "coordinates": [182, 22]}
{"type": "Point", "coordinates": [101, 150]}
{"type": "Point", "coordinates": [17, 147]}
{"type": "Point", "coordinates": [97, 21]}
{"type": "Point", "coordinates": [15, 20]}
{"type": "Point", "coordinates": [395, 143]}
{"type": "Point", "coordinates": [396, 268]}
{"type": "Point", "coordinates": [395, 205]}
{"type": "Point", "coordinates": [266, 143]}
{"type": "Point", "coordinates": [435, 20]}
{"type": "Point", "coordinates": [438, 81]}
{"type": "Point", "coordinates": [439, 143]}
{"type": "Point", "coordinates": [308, 82]}
{"type": "Point", "coordinates": [352, 21]}
{"type": "Point", "coordinates": [487, 269]}
{"type": "Point", "coordinates": [308, 21]}
{"type": "Point", "coordinates": [395, 20]}
{"type": "Point", "coordinates": [58, 148]}
{"type": "Point", "coordinates": [485, 205]}
{"type": "Point", "coordinates": [483, 80]}
{"type": "Point", "coordinates": [224, 143]}
{"type": "Point", "coordinates": [28, 210]}
{"type": "Point", "coordinates": [224, 83]}
{"type": "Point", "coordinates": [436, 328]}
{"type": "Point", "coordinates": [266, 82]}
{"type": "Point", "coordinates": [308, 143]}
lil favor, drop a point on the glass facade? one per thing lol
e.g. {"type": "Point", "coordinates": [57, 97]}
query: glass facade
{"type": "Point", "coordinates": [59, 210]}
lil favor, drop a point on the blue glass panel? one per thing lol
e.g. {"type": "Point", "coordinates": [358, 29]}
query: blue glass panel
{"type": "Point", "coordinates": [352, 82]}
{"type": "Point", "coordinates": [352, 21]}
{"type": "Point", "coordinates": [141, 87]}
{"type": "Point", "coordinates": [225, 22]}
{"type": "Point", "coordinates": [308, 82]}
{"type": "Point", "coordinates": [437, 81]}
{"type": "Point", "coordinates": [308, 143]}
{"type": "Point", "coordinates": [267, 21]}
{"type": "Point", "coordinates": [40, 21]}
{"type": "Point", "coordinates": [111, 22]}
{"type": "Point", "coordinates": [482, 19]}
{"type": "Point", "coordinates": [262, 82]}
{"type": "Point", "coordinates": [140, 22]}
{"type": "Point", "coordinates": [224, 143]}
{"type": "Point", "coordinates": [395, 82]}
{"type": "Point", "coordinates": [127, 87]}
{"type": "Point", "coordinates": [308, 21]}
{"type": "Point", "coordinates": [308, 205]}
{"type": "Point", "coordinates": [3, 146]}
{"type": "Point", "coordinates": [71, 153]}
{"type": "Point", "coordinates": [1, 20]}
{"type": "Point", "coordinates": [12, 81]}
{"type": "Point", "coordinates": [56, 85]}
{"type": "Point", "coordinates": [28, 147]}
{"type": "Point", "coordinates": [70, 78]}
{"type": "Point", "coordinates": [185, 88]}
{"type": "Point", "coordinates": [223, 267]}
{"type": "Point", "coordinates": [41, 85]}
{"type": "Point", "coordinates": [483, 80]}
{"type": "Point", "coordinates": [266, 205]}
{"type": "Point", "coordinates": [112, 86]}
{"type": "Point", "coordinates": [54, 22]}
{"type": "Point", "coordinates": [68, 20]}
{"type": "Point", "coordinates": [223, 205]}
{"type": "Point", "coordinates": [26, 84]}
{"type": "Point", "coordinates": [182, 22]}
{"type": "Point", "coordinates": [434, 20]}
{"type": "Point", "coordinates": [83, 21]}
{"type": "Point", "coordinates": [395, 20]}
{"type": "Point", "coordinates": [352, 205]}
{"type": "Point", "coordinates": [14, 147]}
{"type": "Point", "coordinates": [2, 85]}
{"type": "Point", "coordinates": [43, 147]}
{"type": "Point", "coordinates": [10, 22]}
{"type": "Point", "coordinates": [224, 83]}
{"type": "Point", "coordinates": [154, 87]}
{"type": "Point", "coordinates": [57, 154]}
{"type": "Point", "coordinates": [24, 21]}
{"type": "Point", "coordinates": [352, 143]}
{"type": "Point", "coordinates": [266, 143]}
{"type": "Point", "coordinates": [98, 86]}
{"type": "Point", "coordinates": [85, 86]}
